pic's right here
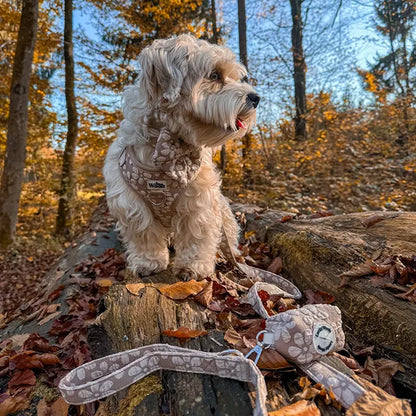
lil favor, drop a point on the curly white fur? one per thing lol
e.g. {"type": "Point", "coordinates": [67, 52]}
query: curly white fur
{"type": "Point", "coordinates": [197, 91]}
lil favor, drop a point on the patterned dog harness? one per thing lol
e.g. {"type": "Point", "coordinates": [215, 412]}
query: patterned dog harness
{"type": "Point", "coordinates": [176, 165]}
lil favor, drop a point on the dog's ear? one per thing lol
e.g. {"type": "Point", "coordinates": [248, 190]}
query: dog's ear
{"type": "Point", "coordinates": [164, 66]}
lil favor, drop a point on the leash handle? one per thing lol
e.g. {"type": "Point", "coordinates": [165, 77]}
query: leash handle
{"type": "Point", "coordinates": [105, 376]}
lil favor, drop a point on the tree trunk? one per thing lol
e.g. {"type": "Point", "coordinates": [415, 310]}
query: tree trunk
{"type": "Point", "coordinates": [12, 178]}
{"type": "Point", "coordinates": [215, 40]}
{"type": "Point", "coordinates": [299, 69]}
{"type": "Point", "coordinates": [215, 34]}
{"type": "Point", "coordinates": [66, 194]}
{"type": "Point", "coordinates": [242, 42]}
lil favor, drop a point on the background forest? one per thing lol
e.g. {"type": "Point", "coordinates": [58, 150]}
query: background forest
{"type": "Point", "coordinates": [336, 124]}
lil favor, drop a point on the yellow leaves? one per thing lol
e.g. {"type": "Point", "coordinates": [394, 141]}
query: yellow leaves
{"type": "Point", "coordinates": [330, 115]}
{"type": "Point", "coordinates": [373, 85]}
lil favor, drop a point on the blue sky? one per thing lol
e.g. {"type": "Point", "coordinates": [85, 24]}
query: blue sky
{"type": "Point", "coordinates": [334, 49]}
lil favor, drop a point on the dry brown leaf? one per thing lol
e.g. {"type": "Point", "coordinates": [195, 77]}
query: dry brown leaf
{"type": "Point", "coordinates": [350, 362]}
{"type": "Point", "coordinates": [13, 404]}
{"type": "Point", "coordinates": [382, 370]}
{"type": "Point", "coordinates": [287, 218]}
{"type": "Point", "coordinates": [276, 265]}
{"type": "Point", "coordinates": [22, 378]}
{"type": "Point", "coordinates": [359, 270]}
{"type": "Point", "coordinates": [59, 407]}
{"type": "Point", "coordinates": [409, 295]}
{"type": "Point", "coordinates": [233, 338]}
{"type": "Point", "coordinates": [246, 282]}
{"type": "Point", "coordinates": [17, 340]}
{"type": "Point", "coordinates": [318, 296]}
{"type": "Point", "coordinates": [269, 359]}
{"type": "Point", "coordinates": [288, 303]}
{"type": "Point", "coordinates": [184, 333]}
{"type": "Point", "coordinates": [381, 281]}
{"type": "Point", "coordinates": [43, 409]}
{"type": "Point", "coordinates": [182, 290]}
{"type": "Point", "coordinates": [301, 408]}
{"type": "Point", "coordinates": [205, 297]}
{"type": "Point", "coordinates": [374, 219]}
{"type": "Point", "coordinates": [104, 282]}
{"type": "Point", "coordinates": [136, 288]}
{"type": "Point", "coordinates": [376, 402]}
{"type": "Point", "coordinates": [49, 317]}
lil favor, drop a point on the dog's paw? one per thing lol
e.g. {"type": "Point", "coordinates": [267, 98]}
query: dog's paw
{"type": "Point", "coordinates": [143, 270]}
{"type": "Point", "coordinates": [197, 270]}
{"type": "Point", "coordinates": [186, 274]}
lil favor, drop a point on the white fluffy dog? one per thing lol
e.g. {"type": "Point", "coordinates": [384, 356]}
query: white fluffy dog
{"type": "Point", "coordinates": [191, 96]}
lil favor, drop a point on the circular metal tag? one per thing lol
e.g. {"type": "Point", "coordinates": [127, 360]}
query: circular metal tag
{"type": "Point", "coordinates": [323, 338]}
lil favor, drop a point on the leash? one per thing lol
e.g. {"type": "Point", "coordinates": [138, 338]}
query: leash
{"type": "Point", "coordinates": [105, 376]}
{"type": "Point", "coordinates": [303, 336]}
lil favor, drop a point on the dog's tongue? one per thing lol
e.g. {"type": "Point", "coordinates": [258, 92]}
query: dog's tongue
{"type": "Point", "coordinates": [240, 124]}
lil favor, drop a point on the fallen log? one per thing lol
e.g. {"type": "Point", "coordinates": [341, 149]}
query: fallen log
{"type": "Point", "coordinates": [126, 321]}
{"type": "Point", "coordinates": [319, 253]}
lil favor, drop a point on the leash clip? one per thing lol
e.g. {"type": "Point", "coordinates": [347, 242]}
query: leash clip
{"type": "Point", "coordinates": [258, 349]}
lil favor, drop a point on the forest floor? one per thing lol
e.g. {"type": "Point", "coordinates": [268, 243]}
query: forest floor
{"type": "Point", "coordinates": [359, 182]}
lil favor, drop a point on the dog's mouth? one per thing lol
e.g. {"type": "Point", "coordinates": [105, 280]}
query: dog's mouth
{"type": "Point", "coordinates": [239, 124]}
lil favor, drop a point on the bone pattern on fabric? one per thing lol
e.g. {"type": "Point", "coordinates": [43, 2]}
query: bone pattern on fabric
{"type": "Point", "coordinates": [176, 165]}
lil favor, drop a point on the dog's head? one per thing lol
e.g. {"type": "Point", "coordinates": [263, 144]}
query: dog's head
{"type": "Point", "coordinates": [198, 86]}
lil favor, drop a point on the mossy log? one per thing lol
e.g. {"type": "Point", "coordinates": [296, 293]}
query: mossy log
{"type": "Point", "coordinates": [316, 252]}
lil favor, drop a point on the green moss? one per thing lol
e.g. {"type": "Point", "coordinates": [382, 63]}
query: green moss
{"type": "Point", "coordinates": [137, 393]}
{"type": "Point", "coordinates": [50, 394]}
{"type": "Point", "coordinates": [303, 247]}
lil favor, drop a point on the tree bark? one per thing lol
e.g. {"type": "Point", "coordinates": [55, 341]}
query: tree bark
{"type": "Point", "coordinates": [12, 178]}
{"type": "Point", "coordinates": [299, 70]}
{"type": "Point", "coordinates": [242, 42]}
{"type": "Point", "coordinates": [215, 40]}
{"type": "Point", "coordinates": [66, 194]}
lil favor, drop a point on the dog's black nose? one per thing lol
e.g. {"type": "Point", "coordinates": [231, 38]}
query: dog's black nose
{"type": "Point", "coordinates": [254, 99]}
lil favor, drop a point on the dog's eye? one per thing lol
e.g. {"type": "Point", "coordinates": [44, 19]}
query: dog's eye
{"type": "Point", "coordinates": [214, 75]}
{"type": "Point", "coordinates": [244, 79]}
